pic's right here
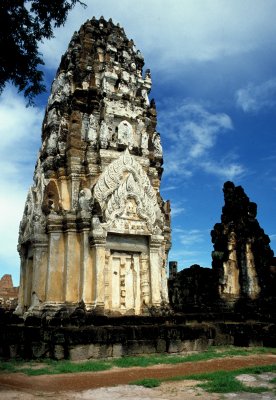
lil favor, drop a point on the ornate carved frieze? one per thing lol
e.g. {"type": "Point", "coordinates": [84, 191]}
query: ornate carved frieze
{"type": "Point", "coordinates": [124, 191]}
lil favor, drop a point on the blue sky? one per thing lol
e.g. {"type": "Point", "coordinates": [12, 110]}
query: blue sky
{"type": "Point", "coordinates": [213, 67]}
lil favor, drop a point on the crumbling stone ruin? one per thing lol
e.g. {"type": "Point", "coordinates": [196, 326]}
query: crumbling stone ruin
{"type": "Point", "coordinates": [192, 289]}
{"type": "Point", "coordinates": [8, 292]}
{"type": "Point", "coordinates": [243, 271]}
{"type": "Point", "coordinates": [95, 229]}
{"type": "Point", "coordinates": [242, 257]}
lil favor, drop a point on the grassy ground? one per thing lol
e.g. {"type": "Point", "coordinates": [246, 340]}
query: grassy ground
{"type": "Point", "coordinates": [41, 367]}
{"type": "Point", "coordinates": [217, 382]}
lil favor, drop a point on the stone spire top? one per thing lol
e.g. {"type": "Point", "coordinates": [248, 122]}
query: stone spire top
{"type": "Point", "coordinates": [100, 96]}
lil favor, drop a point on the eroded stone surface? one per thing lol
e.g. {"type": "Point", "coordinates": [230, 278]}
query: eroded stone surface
{"type": "Point", "coordinates": [242, 257]}
{"type": "Point", "coordinates": [95, 228]}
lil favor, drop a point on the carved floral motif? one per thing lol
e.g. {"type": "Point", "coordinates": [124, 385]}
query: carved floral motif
{"type": "Point", "coordinates": [122, 180]}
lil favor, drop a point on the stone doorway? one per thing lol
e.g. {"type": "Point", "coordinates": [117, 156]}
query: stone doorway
{"type": "Point", "coordinates": [124, 290]}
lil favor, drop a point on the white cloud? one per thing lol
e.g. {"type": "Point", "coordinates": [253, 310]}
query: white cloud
{"type": "Point", "coordinates": [191, 133]}
{"type": "Point", "coordinates": [20, 137]}
{"type": "Point", "coordinates": [168, 188]}
{"type": "Point", "coordinates": [272, 237]}
{"type": "Point", "coordinates": [206, 30]}
{"type": "Point", "coordinates": [191, 237]}
{"type": "Point", "coordinates": [226, 171]}
{"type": "Point", "coordinates": [253, 98]}
{"type": "Point", "coordinates": [177, 209]}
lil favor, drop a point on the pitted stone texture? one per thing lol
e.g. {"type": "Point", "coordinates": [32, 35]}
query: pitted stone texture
{"type": "Point", "coordinates": [242, 257]}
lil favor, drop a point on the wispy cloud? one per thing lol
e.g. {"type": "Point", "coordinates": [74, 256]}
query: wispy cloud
{"type": "Point", "coordinates": [272, 237]}
{"type": "Point", "coordinates": [20, 136]}
{"type": "Point", "coordinates": [209, 30]}
{"type": "Point", "coordinates": [177, 209]}
{"type": "Point", "coordinates": [192, 132]}
{"type": "Point", "coordinates": [168, 188]}
{"type": "Point", "coordinates": [254, 98]}
{"type": "Point", "coordinates": [190, 247]}
{"type": "Point", "coordinates": [226, 171]}
{"type": "Point", "coordinates": [191, 237]}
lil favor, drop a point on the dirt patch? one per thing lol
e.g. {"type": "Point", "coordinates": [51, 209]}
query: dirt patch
{"type": "Point", "coordinates": [81, 386]}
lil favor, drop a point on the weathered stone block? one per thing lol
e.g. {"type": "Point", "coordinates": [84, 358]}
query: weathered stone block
{"type": "Point", "coordinates": [14, 351]}
{"type": "Point", "coordinates": [79, 352]}
{"type": "Point", "coordinates": [140, 347]}
{"type": "Point", "coordinates": [161, 346]}
{"type": "Point", "coordinates": [40, 349]}
{"type": "Point", "coordinates": [58, 353]}
{"type": "Point", "coordinates": [100, 350]}
{"type": "Point", "coordinates": [117, 350]}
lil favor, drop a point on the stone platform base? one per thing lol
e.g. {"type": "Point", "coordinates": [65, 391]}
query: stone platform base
{"type": "Point", "coordinates": [81, 338]}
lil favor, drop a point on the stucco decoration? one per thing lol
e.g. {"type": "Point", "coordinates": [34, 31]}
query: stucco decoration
{"type": "Point", "coordinates": [125, 189]}
{"type": "Point", "coordinates": [85, 199]}
{"type": "Point", "coordinates": [104, 135]}
{"type": "Point", "coordinates": [60, 89]}
{"type": "Point", "coordinates": [25, 228]}
{"type": "Point", "coordinates": [158, 152]}
{"type": "Point", "coordinates": [125, 135]}
{"type": "Point", "coordinates": [92, 134]}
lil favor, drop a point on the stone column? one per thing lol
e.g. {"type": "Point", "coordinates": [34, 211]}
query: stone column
{"type": "Point", "coordinates": [75, 186]}
{"type": "Point", "coordinates": [164, 279]}
{"type": "Point", "coordinates": [231, 286]}
{"type": "Point", "coordinates": [65, 193]}
{"type": "Point", "coordinates": [145, 278]}
{"type": "Point", "coordinates": [72, 260]}
{"type": "Point", "coordinates": [86, 266]}
{"type": "Point", "coordinates": [28, 280]}
{"type": "Point", "coordinates": [40, 252]}
{"type": "Point", "coordinates": [98, 245]}
{"type": "Point", "coordinates": [137, 284]}
{"type": "Point", "coordinates": [155, 269]}
{"type": "Point", "coordinates": [55, 271]}
{"type": "Point", "coordinates": [20, 307]}
{"type": "Point", "coordinates": [253, 288]}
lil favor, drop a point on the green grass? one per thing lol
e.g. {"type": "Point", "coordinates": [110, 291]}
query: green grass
{"type": "Point", "coordinates": [211, 353]}
{"type": "Point", "coordinates": [10, 366]}
{"type": "Point", "coordinates": [66, 367]}
{"type": "Point", "coordinates": [216, 382]}
{"type": "Point", "coordinates": [41, 367]}
{"type": "Point", "coordinates": [147, 382]}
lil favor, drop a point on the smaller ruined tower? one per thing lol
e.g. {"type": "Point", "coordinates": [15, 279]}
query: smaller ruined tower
{"type": "Point", "coordinates": [242, 256]}
{"type": "Point", "coordinates": [95, 228]}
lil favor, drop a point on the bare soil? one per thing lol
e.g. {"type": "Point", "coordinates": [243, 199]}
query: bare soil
{"type": "Point", "coordinates": [83, 385]}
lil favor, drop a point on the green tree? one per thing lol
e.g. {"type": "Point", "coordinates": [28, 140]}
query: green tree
{"type": "Point", "coordinates": [23, 24]}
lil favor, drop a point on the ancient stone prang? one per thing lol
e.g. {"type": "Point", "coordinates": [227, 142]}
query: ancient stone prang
{"type": "Point", "coordinates": [8, 292]}
{"type": "Point", "coordinates": [242, 257]}
{"type": "Point", "coordinates": [95, 228]}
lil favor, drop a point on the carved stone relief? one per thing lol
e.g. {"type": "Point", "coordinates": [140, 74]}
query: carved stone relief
{"type": "Point", "coordinates": [104, 135]}
{"type": "Point", "coordinates": [125, 134]}
{"type": "Point", "coordinates": [158, 152]}
{"type": "Point", "coordinates": [124, 182]}
{"type": "Point", "coordinates": [92, 134]}
{"type": "Point", "coordinates": [26, 222]}
{"type": "Point", "coordinates": [85, 199]}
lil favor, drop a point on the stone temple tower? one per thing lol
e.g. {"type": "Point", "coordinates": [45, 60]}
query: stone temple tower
{"type": "Point", "coordinates": [95, 228]}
